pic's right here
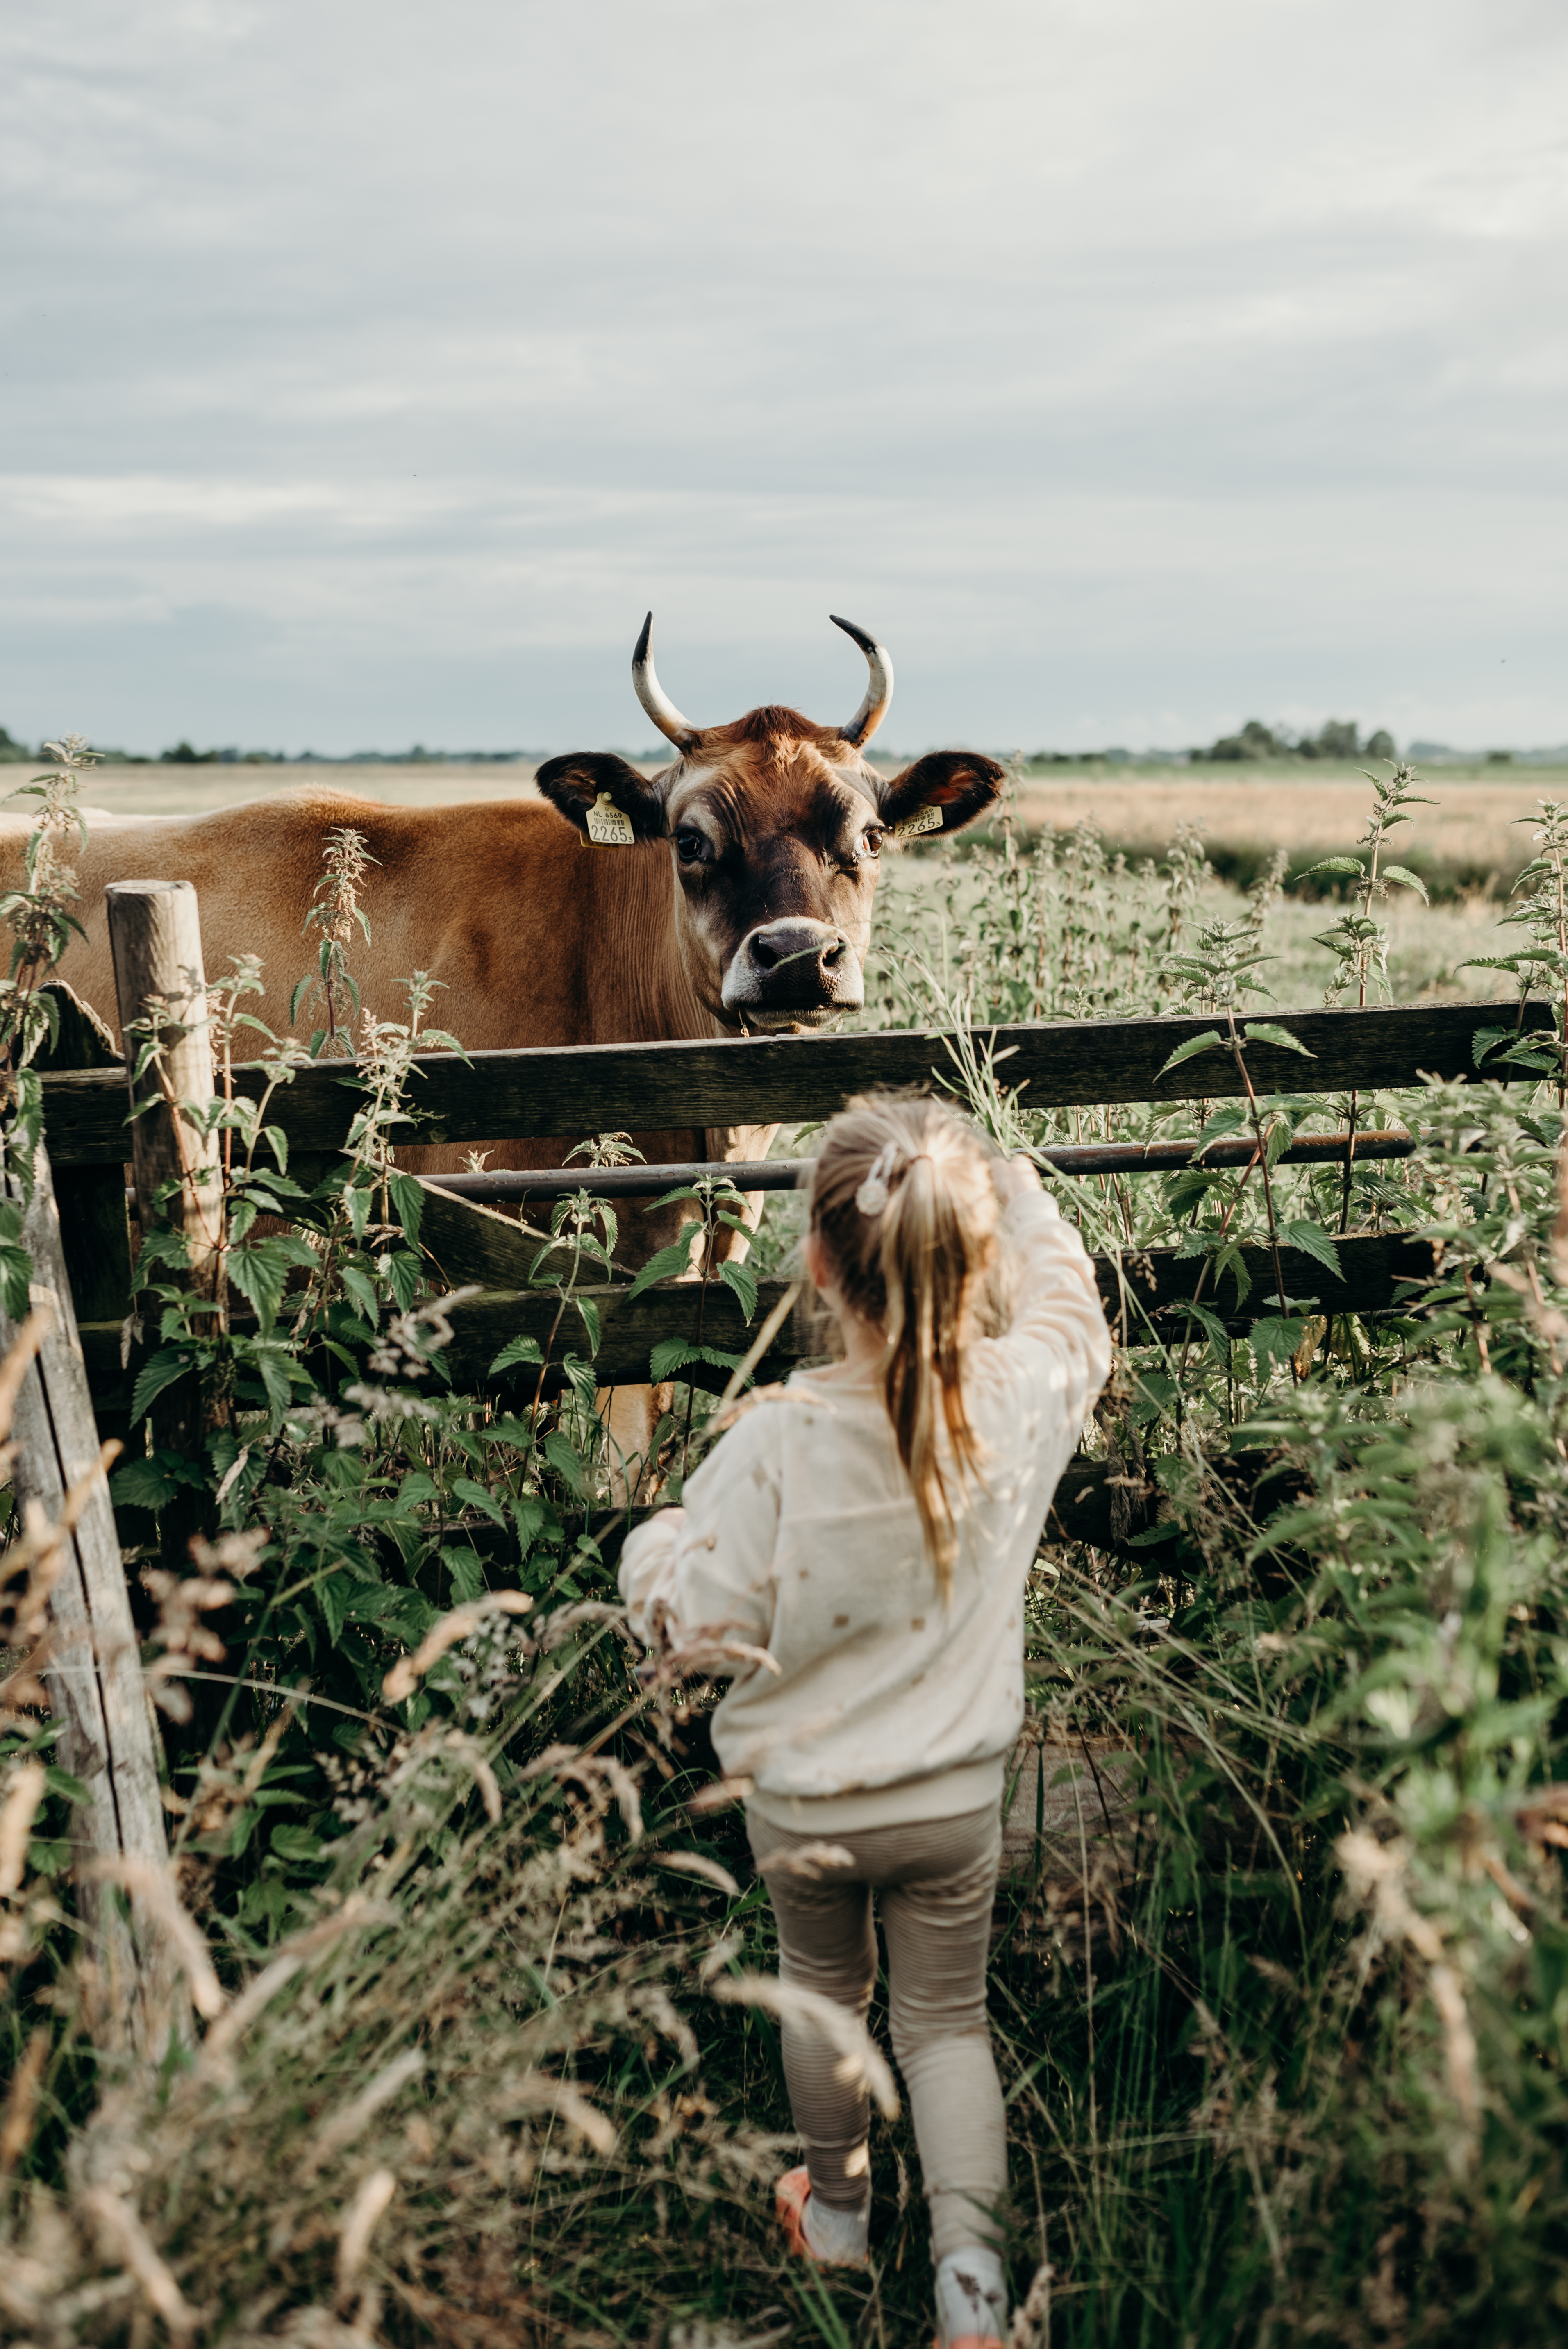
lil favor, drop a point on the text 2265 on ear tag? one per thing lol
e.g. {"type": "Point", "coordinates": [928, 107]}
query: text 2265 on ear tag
{"type": "Point", "coordinates": [609, 826]}
{"type": "Point", "coordinates": [925, 819]}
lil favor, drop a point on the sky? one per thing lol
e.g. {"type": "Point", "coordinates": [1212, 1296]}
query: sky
{"type": "Point", "coordinates": [368, 369]}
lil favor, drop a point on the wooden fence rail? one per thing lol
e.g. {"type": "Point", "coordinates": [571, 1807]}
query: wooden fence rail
{"type": "Point", "coordinates": [1147, 1287]}
{"type": "Point", "coordinates": [785, 1079]}
{"type": "Point", "coordinates": [520, 1095]}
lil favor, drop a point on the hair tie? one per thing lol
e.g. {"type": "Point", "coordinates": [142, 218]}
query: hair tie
{"type": "Point", "coordinates": [872, 1196]}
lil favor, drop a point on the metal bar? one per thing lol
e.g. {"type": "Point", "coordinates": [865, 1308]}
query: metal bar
{"type": "Point", "coordinates": [502, 1185]}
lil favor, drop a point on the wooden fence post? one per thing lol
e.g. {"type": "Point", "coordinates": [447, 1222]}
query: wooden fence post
{"type": "Point", "coordinates": [155, 934]}
{"type": "Point", "coordinates": [107, 1736]}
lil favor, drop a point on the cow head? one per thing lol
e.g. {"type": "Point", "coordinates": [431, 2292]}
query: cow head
{"type": "Point", "coordinates": [774, 828]}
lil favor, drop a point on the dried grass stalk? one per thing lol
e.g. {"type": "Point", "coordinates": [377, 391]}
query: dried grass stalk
{"type": "Point", "coordinates": [359, 2225]}
{"type": "Point", "coordinates": [860, 2057]}
{"type": "Point", "coordinates": [344, 2126]}
{"type": "Point", "coordinates": [126, 2239]}
{"type": "Point", "coordinates": [155, 1888]}
{"type": "Point", "coordinates": [405, 1675]}
{"type": "Point", "coordinates": [28, 1784]}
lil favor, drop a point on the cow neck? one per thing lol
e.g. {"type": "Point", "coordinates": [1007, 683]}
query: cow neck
{"type": "Point", "coordinates": [634, 903]}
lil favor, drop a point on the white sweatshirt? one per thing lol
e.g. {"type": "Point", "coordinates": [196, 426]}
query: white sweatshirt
{"type": "Point", "coordinates": [799, 1535]}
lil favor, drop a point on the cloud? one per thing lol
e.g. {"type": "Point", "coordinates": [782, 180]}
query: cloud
{"type": "Point", "coordinates": [369, 370]}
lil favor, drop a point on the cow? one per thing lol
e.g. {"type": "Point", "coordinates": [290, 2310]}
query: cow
{"type": "Point", "coordinates": [728, 894]}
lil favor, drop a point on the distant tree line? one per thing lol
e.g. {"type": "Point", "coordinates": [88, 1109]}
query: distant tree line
{"type": "Point", "coordinates": [1339, 739]}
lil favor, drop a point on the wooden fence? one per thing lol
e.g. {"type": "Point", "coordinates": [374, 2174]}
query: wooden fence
{"type": "Point", "coordinates": [515, 1096]}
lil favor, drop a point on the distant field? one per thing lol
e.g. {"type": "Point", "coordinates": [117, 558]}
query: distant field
{"type": "Point", "coordinates": [1471, 838]}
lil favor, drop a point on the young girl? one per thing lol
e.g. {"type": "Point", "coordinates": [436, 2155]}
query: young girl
{"type": "Point", "coordinates": [871, 1526]}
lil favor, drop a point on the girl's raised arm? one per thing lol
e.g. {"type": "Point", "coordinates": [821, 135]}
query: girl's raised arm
{"type": "Point", "coordinates": [1056, 1303]}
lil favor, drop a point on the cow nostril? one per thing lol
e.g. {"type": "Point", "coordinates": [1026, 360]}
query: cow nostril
{"type": "Point", "coordinates": [763, 953]}
{"type": "Point", "coordinates": [833, 952]}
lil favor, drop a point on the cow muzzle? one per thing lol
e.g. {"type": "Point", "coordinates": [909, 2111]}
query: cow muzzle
{"type": "Point", "coordinates": [792, 974]}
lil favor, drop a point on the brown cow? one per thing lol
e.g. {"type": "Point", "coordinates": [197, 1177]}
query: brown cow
{"type": "Point", "coordinates": [732, 893]}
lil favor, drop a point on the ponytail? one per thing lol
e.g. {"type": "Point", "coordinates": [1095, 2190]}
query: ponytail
{"type": "Point", "coordinates": [903, 1199]}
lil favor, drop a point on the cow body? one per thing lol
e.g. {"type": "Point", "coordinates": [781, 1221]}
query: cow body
{"type": "Point", "coordinates": [535, 938]}
{"type": "Point", "coordinates": [731, 894]}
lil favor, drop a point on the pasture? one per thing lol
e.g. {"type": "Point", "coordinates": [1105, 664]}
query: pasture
{"type": "Point", "coordinates": [1280, 1987]}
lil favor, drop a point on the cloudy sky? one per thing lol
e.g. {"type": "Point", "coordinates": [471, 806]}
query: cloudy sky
{"type": "Point", "coordinates": [368, 369]}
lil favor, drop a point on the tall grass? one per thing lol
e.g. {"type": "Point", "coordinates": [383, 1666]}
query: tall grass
{"type": "Point", "coordinates": [484, 2057]}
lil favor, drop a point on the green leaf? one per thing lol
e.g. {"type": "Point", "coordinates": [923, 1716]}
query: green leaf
{"type": "Point", "coordinates": [333, 1594]}
{"type": "Point", "coordinates": [1211, 1042]}
{"type": "Point", "coordinates": [1210, 1323]}
{"type": "Point", "coordinates": [1265, 1032]}
{"type": "Point", "coordinates": [358, 1199]}
{"type": "Point", "coordinates": [1408, 880]}
{"type": "Point", "coordinates": [466, 1569]}
{"type": "Point", "coordinates": [161, 1371]}
{"type": "Point", "coordinates": [362, 1290]}
{"type": "Point", "coordinates": [16, 1280]}
{"type": "Point", "coordinates": [410, 1202]}
{"type": "Point", "coordinates": [1231, 1259]}
{"type": "Point", "coordinates": [667, 1265]}
{"type": "Point", "coordinates": [278, 1141]}
{"type": "Point", "coordinates": [1313, 1241]}
{"type": "Point", "coordinates": [271, 1363]}
{"type": "Point", "coordinates": [743, 1282]}
{"type": "Point", "coordinates": [590, 1317]}
{"type": "Point", "coordinates": [674, 1354]}
{"type": "Point", "coordinates": [1276, 1340]}
{"type": "Point", "coordinates": [295, 1843]}
{"type": "Point", "coordinates": [1336, 865]}
{"type": "Point", "coordinates": [564, 1459]}
{"type": "Point", "coordinates": [477, 1498]}
{"type": "Point", "coordinates": [403, 1271]}
{"type": "Point", "coordinates": [142, 1485]}
{"type": "Point", "coordinates": [516, 1350]}
{"type": "Point", "coordinates": [1485, 1041]}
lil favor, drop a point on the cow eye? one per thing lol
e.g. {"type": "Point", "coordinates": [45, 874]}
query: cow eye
{"type": "Point", "coordinates": [689, 846]}
{"type": "Point", "coordinates": [871, 841]}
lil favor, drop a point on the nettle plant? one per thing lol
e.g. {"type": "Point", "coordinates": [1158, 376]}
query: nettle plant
{"type": "Point", "coordinates": [42, 925]}
{"type": "Point", "coordinates": [368, 1493]}
{"type": "Point", "coordinates": [1357, 940]}
{"type": "Point", "coordinates": [1543, 962]}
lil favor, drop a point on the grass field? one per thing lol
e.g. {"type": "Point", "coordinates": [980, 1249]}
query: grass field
{"type": "Point", "coordinates": [1469, 845]}
{"type": "Point", "coordinates": [1472, 839]}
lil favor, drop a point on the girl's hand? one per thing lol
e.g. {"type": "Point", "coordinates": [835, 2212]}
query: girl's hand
{"type": "Point", "coordinates": [1016, 1176]}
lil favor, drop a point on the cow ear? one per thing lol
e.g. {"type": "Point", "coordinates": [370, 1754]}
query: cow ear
{"type": "Point", "coordinates": [605, 798]}
{"type": "Point", "coordinates": [940, 793]}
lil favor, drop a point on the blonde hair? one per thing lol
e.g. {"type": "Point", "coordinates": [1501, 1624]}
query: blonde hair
{"type": "Point", "coordinates": [902, 1201]}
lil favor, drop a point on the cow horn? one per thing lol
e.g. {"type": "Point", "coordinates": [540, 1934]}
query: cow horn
{"type": "Point", "coordinates": [653, 698]}
{"type": "Point", "coordinates": [878, 693]}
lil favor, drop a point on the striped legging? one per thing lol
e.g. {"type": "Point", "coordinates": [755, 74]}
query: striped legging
{"type": "Point", "coordinates": [936, 1880]}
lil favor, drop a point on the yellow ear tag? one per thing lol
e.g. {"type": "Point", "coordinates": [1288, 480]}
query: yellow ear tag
{"type": "Point", "coordinates": [608, 826]}
{"type": "Point", "coordinates": [925, 819]}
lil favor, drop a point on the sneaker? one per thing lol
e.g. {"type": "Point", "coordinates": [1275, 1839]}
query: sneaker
{"type": "Point", "coordinates": [790, 2196]}
{"type": "Point", "coordinates": [971, 2285]}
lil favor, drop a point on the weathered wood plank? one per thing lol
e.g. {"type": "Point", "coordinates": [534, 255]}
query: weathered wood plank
{"type": "Point", "coordinates": [155, 931]}
{"type": "Point", "coordinates": [94, 1670]}
{"type": "Point", "coordinates": [511, 1096]}
{"type": "Point", "coordinates": [91, 1200]}
{"type": "Point", "coordinates": [1157, 1283]}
